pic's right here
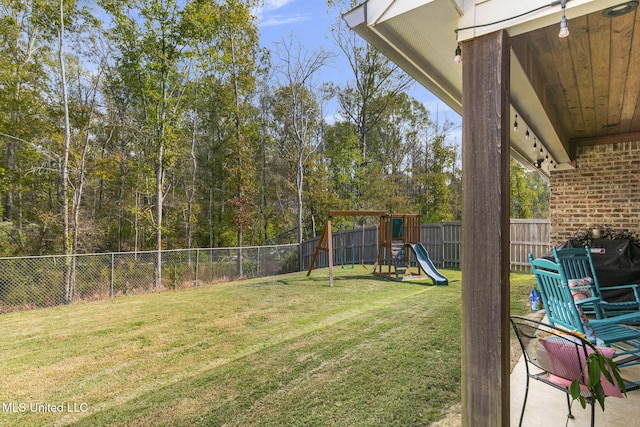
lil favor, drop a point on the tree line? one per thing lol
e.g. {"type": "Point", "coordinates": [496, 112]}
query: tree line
{"type": "Point", "coordinates": [132, 125]}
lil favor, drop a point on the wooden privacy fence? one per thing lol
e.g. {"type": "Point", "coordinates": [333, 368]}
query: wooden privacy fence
{"type": "Point", "coordinates": [359, 245]}
{"type": "Point", "coordinates": [528, 237]}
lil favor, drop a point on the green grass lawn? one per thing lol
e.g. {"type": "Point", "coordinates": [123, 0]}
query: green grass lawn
{"type": "Point", "coordinates": [279, 351]}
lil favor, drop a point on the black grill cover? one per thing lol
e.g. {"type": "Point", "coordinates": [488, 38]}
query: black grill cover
{"type": "Point", "coordinates": [617, 262]}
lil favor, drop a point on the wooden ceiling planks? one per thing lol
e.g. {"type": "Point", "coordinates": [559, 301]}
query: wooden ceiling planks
{"type": "Point", "coordinates": [621, 30]}
{"type": "Point", "coordinates": [599, 30]}
{"type": "Point", "coordinates": [630, 107]}
{"type": "Point", "coordinates": [583, 72]}
{"type": "Point", "coordinates": [592, 76]}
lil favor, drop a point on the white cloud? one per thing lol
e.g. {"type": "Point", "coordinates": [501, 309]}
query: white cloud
{"type": "Point", "coordinates": [283, 19]}
{"type": "Point", "coordinates": [269, 16]}
{"type": "Point", "coordinates": [270, 5]}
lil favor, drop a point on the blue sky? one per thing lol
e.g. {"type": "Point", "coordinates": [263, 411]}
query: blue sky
{"type": "Point", "coordinates": [309, 22]}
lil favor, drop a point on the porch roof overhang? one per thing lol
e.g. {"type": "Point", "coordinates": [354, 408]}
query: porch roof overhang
{"type": "Point", "coordinates": [580, 90]}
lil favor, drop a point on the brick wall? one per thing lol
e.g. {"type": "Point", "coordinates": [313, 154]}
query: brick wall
{"type": "Point", "coordinates": [603, 190]}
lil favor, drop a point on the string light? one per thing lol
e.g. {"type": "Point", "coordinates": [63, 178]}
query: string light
{"type": "Point", "coordinates": [540, 150]}
{"type": "Point", "coordinates": [564, 25]}
{"type": "Point", "coordinates": [520, 15]}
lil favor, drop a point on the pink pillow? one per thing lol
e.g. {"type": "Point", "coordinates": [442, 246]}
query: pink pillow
{"type": "Point", "coordinates": [565, 368]}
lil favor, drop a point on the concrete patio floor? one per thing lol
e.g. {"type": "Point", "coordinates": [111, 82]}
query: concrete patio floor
{"type": "Point", "coordinates": [547, 406]}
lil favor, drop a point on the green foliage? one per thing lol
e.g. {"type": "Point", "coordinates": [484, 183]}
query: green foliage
{"type": "Point", "coordinates": [596, 366]}
{"type": "Point", "coordinates": [184, 132]}
{"type": "Point", "coordinates": [606, 232]}
{"type": "Point", "coordinates": [529, 193]}
{"type": "Point", "coordinates": [439, 176]}
{"type": "Point", "coordinates": [343, 156]}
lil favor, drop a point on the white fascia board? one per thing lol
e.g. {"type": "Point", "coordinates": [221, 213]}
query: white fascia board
{"type": "Point", "coordinates": [381, 10]}
{"type": "Point", "coordinates": [373, 12]}
{"type": "Point", "coordinates": [367, 13]}
{"type": "Point", "coordinates": [479, 13]}
{"type": "Point", "coordinates": [356, 16]}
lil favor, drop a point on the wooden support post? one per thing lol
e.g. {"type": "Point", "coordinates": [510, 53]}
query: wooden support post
{"type": "Point", "coordinates": [485, 225]}
{"type": "Point", "coordinates": [319, 247]}
{"type": "Point", "coordinates": [326, 241]}
{"type": "Point", "coordinates": [324, 244]}
{"type": "Point", "coordinates": [330, 249]}
{"type": "Point", "coordinates": [380, 245]}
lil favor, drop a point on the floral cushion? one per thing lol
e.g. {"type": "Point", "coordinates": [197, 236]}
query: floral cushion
{"type": "Point", "coordinates": [583, 292]}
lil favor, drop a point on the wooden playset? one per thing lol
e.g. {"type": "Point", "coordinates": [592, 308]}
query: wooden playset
{"type": "Point", "coordinates": [396, 234]}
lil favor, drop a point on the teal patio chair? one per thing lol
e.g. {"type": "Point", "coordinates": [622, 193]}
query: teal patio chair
{"type": "Point", "coordinates": [562, 311]}
{"type": "Point", "coordinates": [580, 272]}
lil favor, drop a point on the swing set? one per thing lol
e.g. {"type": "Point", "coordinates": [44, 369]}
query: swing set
{"type": "Point", "coordinates": [395, 233]}
{"type": "Point", "coordinates": [343, 247]}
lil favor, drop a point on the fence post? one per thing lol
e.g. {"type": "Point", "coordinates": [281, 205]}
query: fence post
{"type": "Point", "coordinates": [442, 235]}
{"type": "Point", "coordinates": [113, 263]}
{"type": "Point", "coordinates": [258, 266]}
{"type": "Point", "coordinates": [377, 247]}
{"type": "Point", "coordinates": [197, 266]}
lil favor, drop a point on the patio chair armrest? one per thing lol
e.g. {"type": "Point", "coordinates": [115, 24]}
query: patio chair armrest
{"type": "Point", "coordinates": [626, 286]}
{"type": "Point", "coordinates": [588, 287]}
{"type": "Point", "coordinates": [629, 318]}
{"type": "Point", "coordinates": [590, 300]}
{"type": "Point", "coordinates": [633, 286]}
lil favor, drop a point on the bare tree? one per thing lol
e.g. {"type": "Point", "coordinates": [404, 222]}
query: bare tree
{"type": "Point", "coordinates": [298, 109]}
{"type": "Point", "coordinates": [376, 83]}
{"type": "Point", "coordinates": [64, 167]}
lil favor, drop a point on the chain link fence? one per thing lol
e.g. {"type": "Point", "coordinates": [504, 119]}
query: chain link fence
{"type": "Point", "coordinates": [46, 281]}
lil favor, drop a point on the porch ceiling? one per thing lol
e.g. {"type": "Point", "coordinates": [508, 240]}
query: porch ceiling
{"type": "Point", "coordinates": [580, 90]}
{"type": "Point", "coordinates": [591, 75]}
